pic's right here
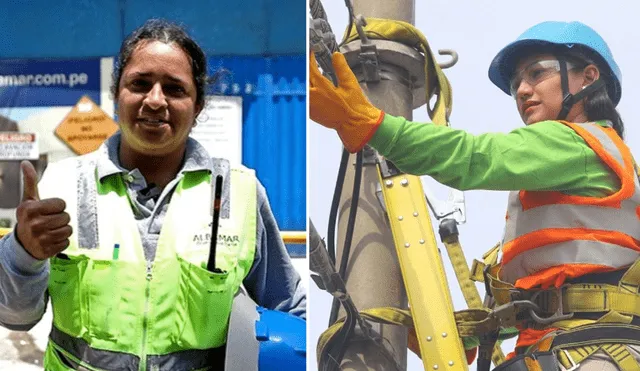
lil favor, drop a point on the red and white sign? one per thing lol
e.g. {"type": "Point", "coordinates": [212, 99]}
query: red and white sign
{"type": "Point", "coordinates": [18, 146]}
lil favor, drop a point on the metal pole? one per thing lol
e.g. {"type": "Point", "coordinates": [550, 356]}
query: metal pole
{"type": "Point", "coordinates": [399, 10]}
{"type": "Point", "coordinates": [373, 277]}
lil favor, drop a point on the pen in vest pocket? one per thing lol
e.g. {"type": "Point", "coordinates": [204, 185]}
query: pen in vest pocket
{"type": "Point", "coordinates": [211, 265]}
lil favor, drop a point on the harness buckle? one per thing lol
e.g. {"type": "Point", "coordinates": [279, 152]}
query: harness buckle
{"type": "Point", "coordinates": [487, 283]}
{"type": "Point", "coordinates": [506, 313]}
{"type": "Point", "coordinates": [574, 365]}
{"type": "Point", "coordinates": [558, 315]}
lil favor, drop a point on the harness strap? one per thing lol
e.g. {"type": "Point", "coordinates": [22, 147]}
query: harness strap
{"type": "Point", "coordinates": [623, 298]}
{"type": "Point", "coordinates": [630, 282]}
{"type": "Point", "coordinates": [574, 346]}
{"type": "Point", "coordinates": [449, 236]}
{"type": "Point", "coordinates": [621, 356]}
{"type": "Point", "coordinates": [597, 334]}
{"type": "Point", "coordinates": [572, 357]}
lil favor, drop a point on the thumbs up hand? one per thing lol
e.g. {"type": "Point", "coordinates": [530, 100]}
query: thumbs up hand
{"type": "Point", "coordinates": [43, 226]}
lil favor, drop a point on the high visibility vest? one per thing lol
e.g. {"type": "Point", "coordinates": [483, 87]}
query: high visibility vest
{"type": "Point", "coordinates": [114, 311]}
{"type": "Point", "coordinates": [552, 236]}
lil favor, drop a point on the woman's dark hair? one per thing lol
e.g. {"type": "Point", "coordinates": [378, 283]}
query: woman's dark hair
{"type": "Point", "coordinates": [166, 32]}
{"type": "Point", "coordinates": [597, 105]}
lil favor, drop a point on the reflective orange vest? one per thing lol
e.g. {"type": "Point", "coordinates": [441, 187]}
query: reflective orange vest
{"type": "Point", "coordinates": [551, 236]}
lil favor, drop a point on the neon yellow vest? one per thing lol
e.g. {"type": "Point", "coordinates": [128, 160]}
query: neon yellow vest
{"type": "Point", "coordinates": [111, 308]}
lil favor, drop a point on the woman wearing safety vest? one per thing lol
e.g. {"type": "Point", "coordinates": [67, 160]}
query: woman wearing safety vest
{"type": "Point", "coordinates": [573, 213]}
{"type": "Point", "coordinates": [119, 239]}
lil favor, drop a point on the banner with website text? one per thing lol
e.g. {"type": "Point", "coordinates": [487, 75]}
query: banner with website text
{"type": "Point", "coordinates": [36, 96]}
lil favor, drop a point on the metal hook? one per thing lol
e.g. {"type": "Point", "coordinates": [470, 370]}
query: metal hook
{"type": "Point", "coordinates": [450, 63]}
{"type": "Point", "coordinates": [559, 315]}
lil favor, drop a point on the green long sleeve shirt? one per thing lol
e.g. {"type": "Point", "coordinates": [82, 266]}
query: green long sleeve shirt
{"type": "Point", "coordinates": [546, 156]}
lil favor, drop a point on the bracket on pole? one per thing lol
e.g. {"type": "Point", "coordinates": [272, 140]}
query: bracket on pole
{"type": "Point", "coordinates": [369, 155]}
{"type": "Point", "coordinates": [368, 55]}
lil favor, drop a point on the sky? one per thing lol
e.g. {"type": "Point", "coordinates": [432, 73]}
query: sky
{"type": "Point", "coordinates": [477, 30]}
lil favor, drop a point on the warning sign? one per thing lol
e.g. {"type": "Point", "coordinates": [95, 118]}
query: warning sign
{"type": "Point", "coordinates": [86, 127]}
{"type": "Point", "coordinates": [18, 146]}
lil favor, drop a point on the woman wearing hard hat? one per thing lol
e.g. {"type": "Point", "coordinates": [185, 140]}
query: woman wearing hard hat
{"type": "Point", "coordinates": [572, 219]}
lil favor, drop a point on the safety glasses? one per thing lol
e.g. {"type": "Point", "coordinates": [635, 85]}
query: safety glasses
{"type": "Point", "coordinates": [536, 73]}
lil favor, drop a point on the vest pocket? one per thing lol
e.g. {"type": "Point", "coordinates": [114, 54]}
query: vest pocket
{"type": "Point", "coordinates": [65, 277]}
{"type": "Point", "coordinates": [104, 298]}
{"type": "Point", "coordinates": [204, 306]}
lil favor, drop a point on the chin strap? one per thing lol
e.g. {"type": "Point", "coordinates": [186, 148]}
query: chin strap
{"type": "Point", "coordinates": [569, 99]}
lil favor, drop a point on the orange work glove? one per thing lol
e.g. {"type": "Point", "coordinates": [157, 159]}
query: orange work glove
{"type": "Point", "coordinates": [344, 108]}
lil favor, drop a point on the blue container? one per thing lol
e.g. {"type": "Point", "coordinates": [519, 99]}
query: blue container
{"type": "Point", "coordinates": [80, 29]}
{"type": "Point", "coordinates": [274, 132]}
{"type": "Point", "coordinates": [283, 343]}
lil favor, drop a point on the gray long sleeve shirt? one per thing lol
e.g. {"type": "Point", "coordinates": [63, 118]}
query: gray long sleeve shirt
{"type": "Point", "coordinates": [272, 281]}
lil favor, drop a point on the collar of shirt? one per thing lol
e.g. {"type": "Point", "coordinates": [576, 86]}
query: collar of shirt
{"type": "Point", "coordinates": [196, 158]}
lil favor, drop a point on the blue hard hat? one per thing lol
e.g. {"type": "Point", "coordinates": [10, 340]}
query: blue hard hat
{"type": "Point", "coordinates": [554, 34]}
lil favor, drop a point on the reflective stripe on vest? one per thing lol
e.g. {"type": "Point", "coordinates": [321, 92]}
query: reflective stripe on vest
{"type": "Point", "coordinates": [109, 297]}
{"type": "Point", "coordinates": [76, 352]}
{"type": "Point", "coordinates": [551, 236]}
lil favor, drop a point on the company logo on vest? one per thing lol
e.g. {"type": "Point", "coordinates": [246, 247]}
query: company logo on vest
{"type": "Point", "coordinates": [223, 239]}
